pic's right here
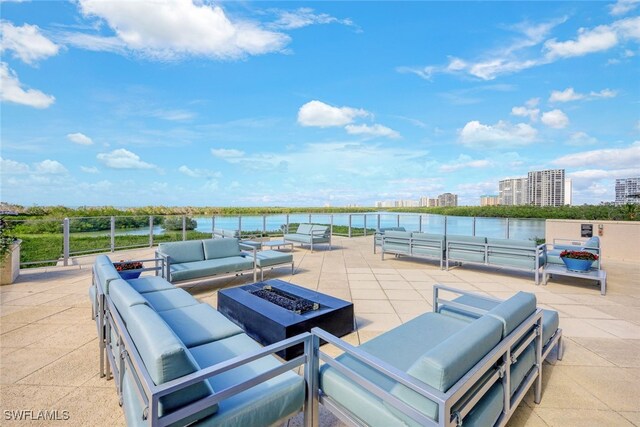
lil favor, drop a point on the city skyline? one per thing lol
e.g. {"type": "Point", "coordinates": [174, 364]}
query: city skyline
{"type": "Point", "coordinates": [313, 103]}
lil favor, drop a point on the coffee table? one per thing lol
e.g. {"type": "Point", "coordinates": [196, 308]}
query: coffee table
{"type": "Point", "coordinates": [269, 323]}
{"type": "Point", "coordinates": [271, 244]}
{"type": "Point", "coordinates": [599, 276]}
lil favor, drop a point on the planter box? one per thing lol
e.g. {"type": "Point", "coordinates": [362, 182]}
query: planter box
{"type": "Point", "coordinates": [10, 265]}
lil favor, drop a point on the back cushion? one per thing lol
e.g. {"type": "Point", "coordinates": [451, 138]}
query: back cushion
{"type": "Point", "coordinates": [512, 243]}
{"type": "Point", "coordinates": [512, 312]}
{"type": "Point", "coordinates": [221, 248]}
{"type": "Point", "coordinates": [304, 229]}
{"type": "Point", "coordinates": [428, 236]}
{"type": "Point", "coordinates": [320, 228]}
{"type": "Point", "coordinates": [383, 229]}
{"type": "Point", "coordinates": [593, 242]}
{"type": "Point", "coordinates": [106, 272]}
{"type": "Point", "coordinates": [124, 297]}
{"type": "Point", "coordinates": [397, 234]}
{"type": "Point", "coordinates": [466, 239]}
{"type": "Point", "coordinates": [180, 252]}
{"type": "Point", "coordinates": [165, 357]}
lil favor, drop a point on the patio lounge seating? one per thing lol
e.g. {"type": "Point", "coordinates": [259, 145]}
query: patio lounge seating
{"type": "Point", "coordinates": [437, 369]}
{"type": "Point", "coordinates": [591, 245]}
{"type": "Point", "coordinates": [178, 362]}
{"type": "Point", "coordinates": [517, 254]}
{"type": "Point", "coordinates": [310, 234]}
{"type": "Point", "coordinates": [424, 245]}
{"type": "Point", "coordinates": [377, 238]}
{"type": "Point", "coordinates": [196, 259]}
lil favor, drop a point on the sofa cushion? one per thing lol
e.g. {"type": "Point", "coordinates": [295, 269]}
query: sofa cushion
{"type": "Point", "coordinates": [300, 238]}
{"type": "Point", "coordinates": [146, 284]}
{"type": "Point", "coordinates": [124, 297]}
{"type": "Point", "coordinates": [165, 358]}
{"type": "Point", "coordinates": [304, 229]}
{"type": "Point", "coordinates": [263, 404]}
{"type": "Point", "coordinates": [516, 261]}
{"type": "Point", "coordinates": [211, 267]}
{"type": "Point", "coordinates": [169, 299]}
{"type": "Point", "coordinates": [512, 312]}
{"type": "Point", "coordinates": [430, 238]}
{"type": "Point", "coordinates": [488, 409]}
{"type": "Point", "coordinates": [269, 258]}
{"type": "Point", "coordinates": [511, 247]}
{"type": "Point", "coordinates": [105, 272]}
{"type": "Point", "coordinates": [466, 248]}
{"type": "Point", "coordinates": [442, 366]}
{"type": "Point", "coordinates": [220, 248]}
{"type": "Point", "coordinates": [180, 252]}
{"type": "Point", "coordinates": [399, 235]}
{"type": "Point", "coordinates": [199, 324]}
{"type": "Point", "coordinates": [320, 230]}
{"type": "Point", "coordinates": [432, 328]}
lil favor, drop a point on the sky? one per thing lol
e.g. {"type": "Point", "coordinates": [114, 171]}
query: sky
{"type": "Point", "coordinates": [204, 103]}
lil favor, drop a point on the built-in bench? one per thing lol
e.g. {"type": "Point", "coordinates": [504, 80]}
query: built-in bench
{"type": "Point", "coordinates": [458, 365]}
{"type": "Point", "coordinates": [197, 259]}
{"type": "Point", "coordinates": [310, 234]}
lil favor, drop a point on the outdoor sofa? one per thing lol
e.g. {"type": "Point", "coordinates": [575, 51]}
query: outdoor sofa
{"type": "Point", "coordinates": [196, 259]}
{"type": "Point", "coordinates": [179, 362]}
{"type": "Point", "coordinates": [423, 245]}
{"type": "Point", "coordinates": [591, 245]}
{"type": "Point", "coordinates": [458, 365]}
{"type": "Point", "coordinates": [310, 234]}
{"type": "Point", "coordinates": [377, 237]}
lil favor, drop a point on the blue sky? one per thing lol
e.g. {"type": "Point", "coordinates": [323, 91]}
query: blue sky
{"type": "Point", "coordinates": [305, 104]}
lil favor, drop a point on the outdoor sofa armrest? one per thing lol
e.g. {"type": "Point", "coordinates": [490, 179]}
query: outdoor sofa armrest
{"type": "Point", "coordinates": [159, 264]}
{"type": "Point", "coordinates": [251, 250]}
{"type": "Point", "coordinates": [166, 272]}
{"type": "Point", "coordinates": [438, 301]}
{"type": "Point", "coordinates": [569, 242]}
{"type": "Point", "coordinates": [318, 233]}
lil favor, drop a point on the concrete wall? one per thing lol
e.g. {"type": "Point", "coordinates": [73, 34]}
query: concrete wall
{"type": "Point", "coordinates": [620, 240]}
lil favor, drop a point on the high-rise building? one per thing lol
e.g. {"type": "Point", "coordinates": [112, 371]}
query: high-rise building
{"type": "Point", "coordinates": [568, 192]}
{"type": "Point", "coordinates": [627, 190]}
{"type": "Point", "coordinates": [448, 199]}
{"type": "Point", "coordinates": [546, 187]}
{"type": "Point", "coordinates": [513, 191]}
{"type": "Point", "coordinates": [492, 200]}
{"type": "Point", "coordinates": [428, 202]}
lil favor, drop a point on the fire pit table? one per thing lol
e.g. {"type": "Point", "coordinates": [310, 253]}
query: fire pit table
{"type": "Point", "coordinates": [274, 310]}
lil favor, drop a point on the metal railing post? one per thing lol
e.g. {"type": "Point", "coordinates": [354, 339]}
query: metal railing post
{"type": "Point", "coordinates": [213, 225]}
{"type": "Point", "coordinates": [507, 230]}
{"type": "Point", "coordinates": [349, 225]}
{"type": "Point", "coordinates": [378, 227]}
{"type": "Point", "coordinates": [420, 223]}
{"type": "Point", "coordinates": [473, 227]}
{"type": "Point", "coordinates": [184, 227]}
{"type": "Point", "coordinates": [331, 226]}
{"type": "Point", "coordinates": [240, 226]}
{"type": "Point", "coordinates": [264, 225]}
{"type": "Point", "coordinates": [150, 231]}
{"type": "Point", "coordinates": [65, 241]}
{"type": "Point", "coordinates": [445, 225]}
{"type": "Point", "coordinates": [113, 234]}
{"type": "Point", "coordinates": [365, 225]}
{"type": "Point", "coordinates": [398, 220]}
{"type": "Point", "coordinates": [309, 218]}
{"type": "Point", "coordinates": [287, 229]}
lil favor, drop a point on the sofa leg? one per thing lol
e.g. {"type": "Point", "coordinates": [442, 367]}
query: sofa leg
{"type": "Point", "coordinates": [560, 347]}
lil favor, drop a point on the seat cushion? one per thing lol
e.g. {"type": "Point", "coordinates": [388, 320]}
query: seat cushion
{"type": "Point", "coordinates": [269, 258]}
{"type": "Point", "coordinates": [169, 299]}
{"type": "Point", "coordinates": [180, 252]}
{"type": "Point", "coordinates": [304, 229]}
{"type": "Point", "coordinates": [124, 297]}
{"type": "Point", "coordinates": [263, 404]}
{"type": "Point", "coordinates": [146, 284]}
{"type": "Point", "coordinates": [431, 328]}
{"type": "Point", "coordinates": [300, 238]}
{"type": "Point", "coordinates": [199, 324]}
{"type": "Point", "coordinates": [220, 248]}
{"type": "Point", "coordinates": [166, 358]}
{"type": "Point", "coordinates": [210, 267]}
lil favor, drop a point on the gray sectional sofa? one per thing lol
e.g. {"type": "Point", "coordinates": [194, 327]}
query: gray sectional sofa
{"type": "Point", "coordinates": [310, 234]}
{"type": "Point", "coordinates": [424, 245]}
{"type": "Point", "coordinates": [377, 237]}
{"type": "Point", "coordinates": [471, 366]}
{"type": "Point", "coordinates": [196, 259]}
{"type": "Point", "coordinates": [176, 361]}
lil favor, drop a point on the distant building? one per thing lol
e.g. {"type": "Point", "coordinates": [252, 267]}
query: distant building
{"type": "Point", "coordinates": [513, 191]}
{"type": "Point", "coordinates": [627, 190]}
{"type": "Point", "coordinates": [428, 202]}
{"type": "Point", "coordinates": [385, 204]}
{"type": "Point", "coordinates": [492, 200]}
{"type": "Point", "coordinates": [568, 192]}
{"type": "Point", "coordinates": [546, 187]}
{"type": "Point", "coordinates": [406, 203]}
{"type": "Point", "coordinates": [448, 199]}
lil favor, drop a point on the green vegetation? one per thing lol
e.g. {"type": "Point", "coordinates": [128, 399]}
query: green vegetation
{"type": "Point", "coordinates": [175, 223]}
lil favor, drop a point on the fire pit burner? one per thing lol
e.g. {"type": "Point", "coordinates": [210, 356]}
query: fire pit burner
{"type": "Point", "coordinates": [286, 300]}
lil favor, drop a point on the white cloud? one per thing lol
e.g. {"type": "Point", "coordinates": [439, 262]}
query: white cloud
{"type": "Point", "coordinates": [198, 173]}
{"type": "Point", "coordinates": [303, 17]}
{"type": "Point", "coordinates": [11, 90]}
{"type": "Point", "coordinates": [581, 138]}
{"type": "Point", "coordinates": [600, 38]}
{"type": "Point", "coordinates": [50, 167]}
{"type": "Point", "coordinates": [618, 158]}
{"type": "Point", "coordinates": [555, 119]}
{"type": "Point", "coordinates": [26, 42]}
{"type": "Point", "coordinates": [317, 113]}
{"type": "Point", "coordinates": [177, 28]}
{"type": "Point", "coordinates": [527, 110]}
{"type": "Point", "coordinates": [623, 6]}
{"type": "Point", "coordinates": [79, 138]}
{"type": "Point", "coordinates": [123, 159]}
{"type": "Point", "coordinates": [227, 153]}
{"type": "Point", "coordinates": [569, 94]}
{"type": "Point", "coordinates": [173, 115]}
{"type": "Point", "coordinates": [374, 130]}
{"type": "Point", "coordinates": [464, 162]}
{"type": "Point", "coordinates": [475, 133]}
{"type": "Point", "coordinates": [87, 169]}
{"type": "Point", "coordinates": [11, 167]}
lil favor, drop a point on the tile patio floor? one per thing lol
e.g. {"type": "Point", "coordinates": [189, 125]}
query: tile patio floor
{"type": "Point", "coordinates": [49, 356]}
